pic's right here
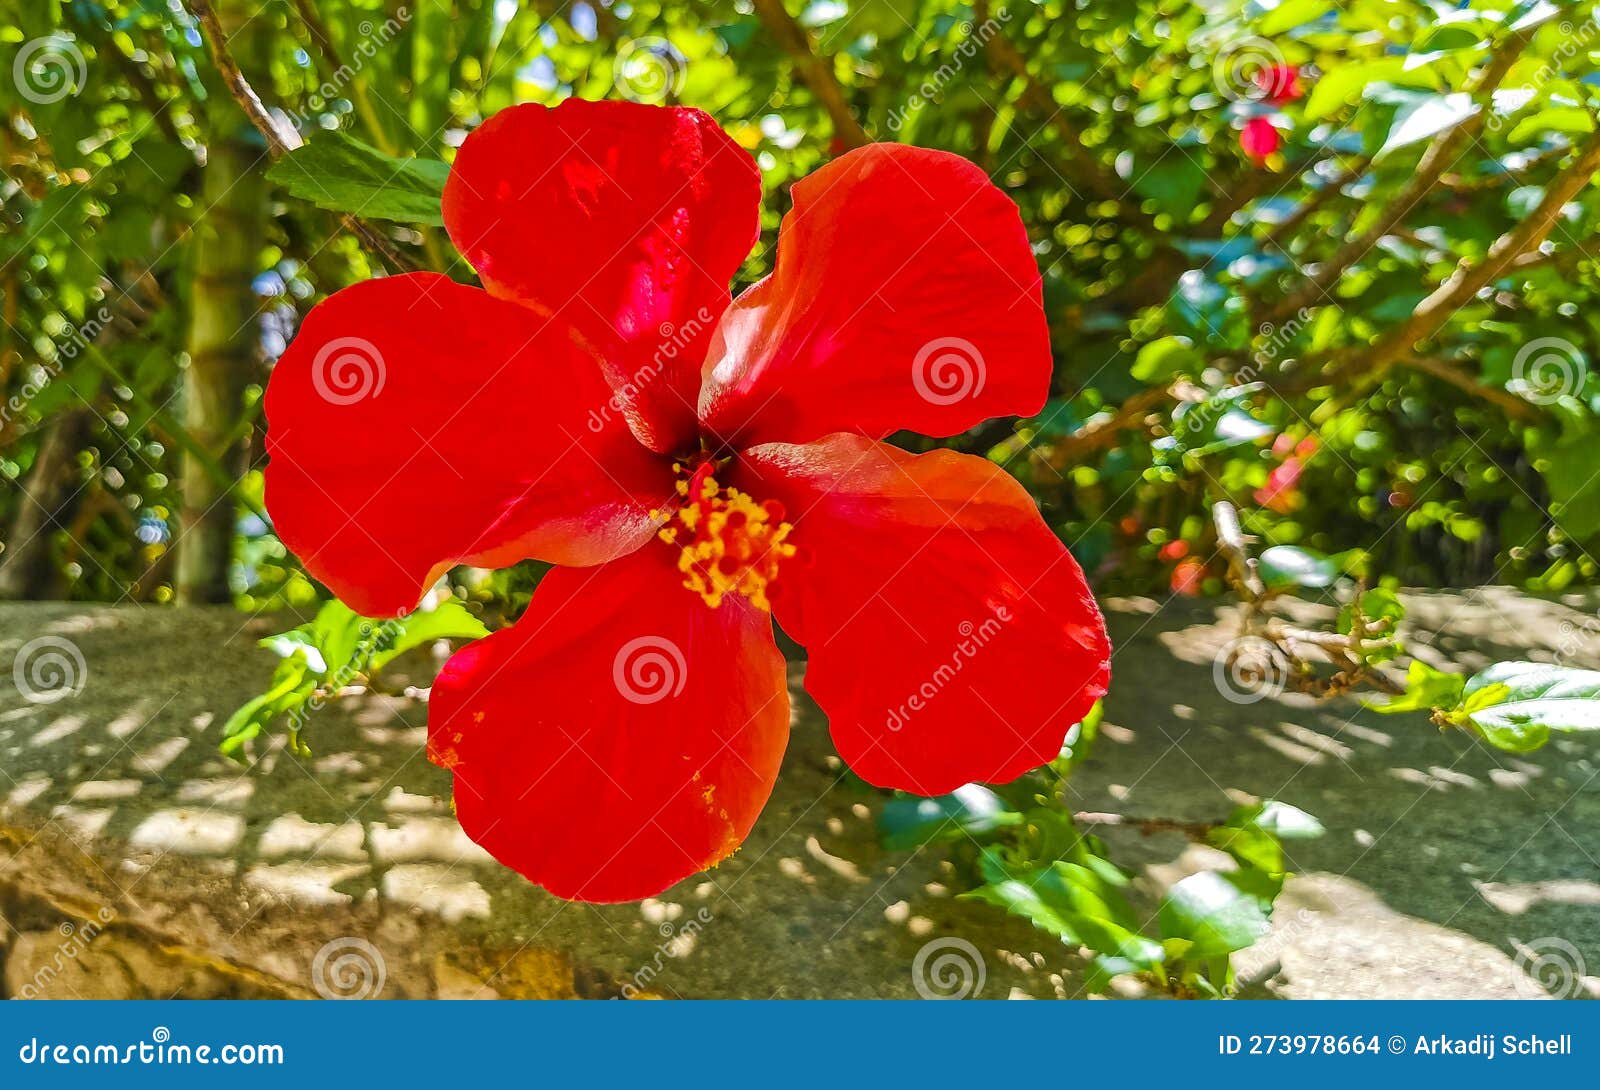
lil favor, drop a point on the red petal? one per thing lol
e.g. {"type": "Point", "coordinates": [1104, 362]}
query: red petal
{"type": "Point", "coordinates": [621, 736]}
{"type": "Point", "coordinates": [905, 295]}
{"type": "Point", "coordinates": [416, 423]}
{"type": "Point", "coordinates": [1259, 139]}
{"type": "Point", "coordinates": [952, 637]}
{"type": "Point", "coordinates": [628, 220]}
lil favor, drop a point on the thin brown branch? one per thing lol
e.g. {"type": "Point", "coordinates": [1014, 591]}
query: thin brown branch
{"type": "Point", "coordinates": [1242, 570]}
{"type": "Point", "coordinates": [281, 136]}
{"type": "Point", "coordinates": [1100, 434]}
{"type": "Point", "coordinates": [1468, 278]}
{"type": "Point", "coordinates": [1446, 371]}
{"type": "Point", "coordinates": [1194, 830]}
{"type": "Point", "coordinates": [1306, 208]}
{"type": "Point", "coordinates": [815, 70]}
{"type": "Point", "coordinates": [1441, 154]}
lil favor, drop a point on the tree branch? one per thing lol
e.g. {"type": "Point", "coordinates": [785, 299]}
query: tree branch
{"type": "Point", "coordinates": [1303, 211]}
{"type": "Point", "coordinates": [1440, 155]}
{"type": "Point", "coordinates": [1099, 434]}
{"type": "Point", "coordinates": [816, 71]}
{"type": "Point", "coordinates": [1468, 279]}
{"type": "Point", "coordinates": [281, 136]}
{"type": "Point", "coordinates": [1446, 371]}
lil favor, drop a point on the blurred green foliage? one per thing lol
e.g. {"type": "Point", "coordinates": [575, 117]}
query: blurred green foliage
{"type": "Point", "coordinates": [1169, 255]}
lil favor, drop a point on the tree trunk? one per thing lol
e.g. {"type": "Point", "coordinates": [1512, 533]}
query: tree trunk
{"type": "Point", "coordinates": [45, 505]}
{"type": "Point", "coordinates": [223, 337]}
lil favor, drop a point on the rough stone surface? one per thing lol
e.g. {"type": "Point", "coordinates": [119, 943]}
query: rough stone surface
{"type": "Point", "coordinates": [1447, 869]}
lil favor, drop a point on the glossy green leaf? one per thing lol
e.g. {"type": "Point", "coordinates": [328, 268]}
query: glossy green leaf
{"type": "Point", "coordinates": [1218, 912]}
{"type": "Point", "coordinates": [1283, 566]}
{"type": "Point", "coordinates": [1426, 688]}
{"type": "Point", "coordinates": [972, 810]}
{"type": "Point", "coordinates": [336, 171]}
{"type": "Point", "coordinates": [1161, 361]}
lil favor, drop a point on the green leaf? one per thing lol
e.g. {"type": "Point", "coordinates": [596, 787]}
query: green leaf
{"type": "Point", "coordinates": [289, 687]}
{"type": "Point", "coordinates": [1346, 82]}
{"type": "Point", "coordinates": [1076, 903]}
{"type": "Point", "coordinates": [1291, 14]}
{"type": "Point", "coordinates": [1564, 119]}
{"type": "Point", "coordinates": [1173, 182]}
{"type": "Point", "coordinates": [1159, 362]}
{"type": "Point", "coordinates": [1426, 688]}
{"type": "Point", "coordinates": [1252, 834]}
{"type": "Point", "coordinates": [1566, 460]}
{"type": "Point", "coordinates": [1448, 35]}
{"type": "Point", "coordinates": [1217, 912]}
{"type": "Point", "coordinates": [1426, 118]}
{"type": "Point", "coordinates": [338, 172]}
{"type": "Point", "coordinates": [447, 620]}
{"type": "Point", "coordinates": [1283, 566]}
{"type": "Point", "coordinates": [1516, 706]}
{"type": "Point", "coordinates": [1079, 742]}
{"type": "Point", "coordinates": [972, 810]}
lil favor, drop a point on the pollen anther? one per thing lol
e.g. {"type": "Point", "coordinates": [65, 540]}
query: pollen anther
{"type": "Point", "coordinates": [728, 543]}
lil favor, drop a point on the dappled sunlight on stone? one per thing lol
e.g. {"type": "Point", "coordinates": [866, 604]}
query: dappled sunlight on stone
{"type": "Point", "coordinates": [421, 839]}
{"type": "Point", "coordinates": [188, 832]}
{"type": "Point", "coordinates": [438, 890]}
{"type": "Point", "coordinates": [61, 728]}
{"type": "Point", "coordinates": [1316, 740]}
{"type": "Point", "coordinates": [292, 835]}
{"type": "Point", "coordinates": [81, 823]}
{"type": "Point", "coordinates": [26, 791]}
{"type": "Point", "coordinates": [234, 856]}
{"type": "Point", "coordinates": [309, 884]}
{"type": "Point", "coordinates": [1515, 898]}
{"type": "Point", "coordinates": [155, 759]}
{"type": "Point", "coordinates": [231, 793]}
{"type": "Point", "coordinates": [105, 790]}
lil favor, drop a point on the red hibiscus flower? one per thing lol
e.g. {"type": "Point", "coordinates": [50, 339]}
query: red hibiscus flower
{"type": "Point", "coordinates": [1279, 493]}
{"type": "Point", "coordinates": [694, 466]}
{"type": "Point", "coordinates": [1188, 577]}
{"type": "Point", "coordinates": [1260, 139]}
{"type": "Point", "coordinates": [1280, 83]}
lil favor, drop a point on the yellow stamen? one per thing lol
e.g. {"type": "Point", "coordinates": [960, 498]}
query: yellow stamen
{"type": "Point", "coordinates": [728, 543]}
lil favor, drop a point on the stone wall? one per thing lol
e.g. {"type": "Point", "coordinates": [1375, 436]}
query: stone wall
{"type": "Point", "coordinates": [135, 861]}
